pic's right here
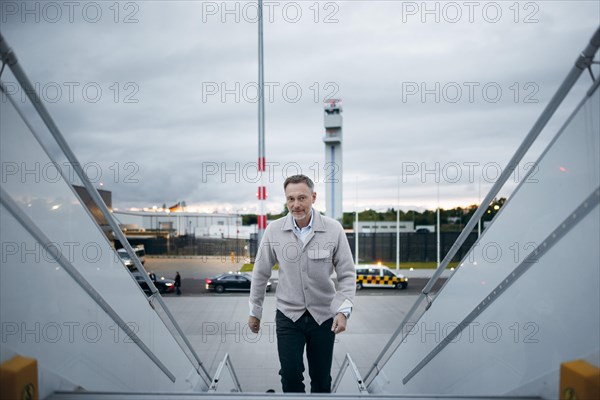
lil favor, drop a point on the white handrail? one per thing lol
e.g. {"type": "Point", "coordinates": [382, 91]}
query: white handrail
{"type": "Point", "coordinates": [9, 57]}
{"type": "Point", "coordinates": [39, 236]}
{"type": "Point", "coordinates": [583, 61]}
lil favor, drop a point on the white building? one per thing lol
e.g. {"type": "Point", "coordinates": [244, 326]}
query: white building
{"type": "Point", "coordinates": [183, 223]}
{"type": "Point", "coordinates": [383, 226]}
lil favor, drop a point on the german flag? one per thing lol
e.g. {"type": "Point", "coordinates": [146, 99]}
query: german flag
{"type": "Point", "coordinates": [176, 207]}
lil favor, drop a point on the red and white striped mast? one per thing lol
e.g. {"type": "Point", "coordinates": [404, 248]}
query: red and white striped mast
{"type": "Point", "coordinates": [262, 190]}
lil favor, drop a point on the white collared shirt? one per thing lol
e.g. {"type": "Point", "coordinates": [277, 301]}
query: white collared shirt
{"type": "Point", "coordinates": [303, 233]}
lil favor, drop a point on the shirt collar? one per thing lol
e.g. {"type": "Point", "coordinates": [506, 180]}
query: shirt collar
{"type": "Point", "coordinates": [309, 226]}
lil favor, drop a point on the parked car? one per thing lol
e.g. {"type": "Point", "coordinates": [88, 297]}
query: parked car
{"type": "Point", "coordinates": [231, 281]}
{"type": "Point", "coordinates": [125, 258]}
{"type": "Point", "coordinates": [163, 285]}
{"type": "Point", "coordinates": [379, 276]}
{"type": "Point", "coordinates": [140, 252]}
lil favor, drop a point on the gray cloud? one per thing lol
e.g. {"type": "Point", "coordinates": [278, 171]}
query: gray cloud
{"type": "Point", "coordinates": [159, 118]}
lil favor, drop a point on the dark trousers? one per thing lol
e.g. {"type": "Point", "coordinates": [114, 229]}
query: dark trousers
{"type": "Point", "coordinates": [291, 339]}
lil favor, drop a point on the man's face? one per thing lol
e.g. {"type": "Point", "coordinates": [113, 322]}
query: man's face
{"type": "Point", "coordinates": [299, 200]}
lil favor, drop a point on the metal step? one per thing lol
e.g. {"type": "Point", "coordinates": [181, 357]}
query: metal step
{"type": "Point", "coordinates": [237, 396]}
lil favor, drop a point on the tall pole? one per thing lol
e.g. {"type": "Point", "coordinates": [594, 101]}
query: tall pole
{"type": "Point", "coordinates": [437, 228]}
{"type": "Point", "coordinates": [262, 190]}
{"type": "Point", "coordinates": [398, 229]}
{"type": "Point", "coordinates": [479, 220]}
{"type": "Point", "coordinates": [356, 239]}
{"type": "Point", "coordinates": [356, 229]}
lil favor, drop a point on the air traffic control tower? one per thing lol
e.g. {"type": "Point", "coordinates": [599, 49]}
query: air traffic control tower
{"type": "Point", "coordinates": [333, 158]}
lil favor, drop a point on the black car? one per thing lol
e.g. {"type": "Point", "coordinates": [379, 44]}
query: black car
{"type": "Point", "coordinates": [232, 281]}
{"type": "Point", "coordinates": [163, 285]}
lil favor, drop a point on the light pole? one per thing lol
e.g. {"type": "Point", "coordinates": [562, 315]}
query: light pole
{"type": "Point", "coordinates": [262, 190]}
{"type": "Point", "coordinates": [479, 221]}
{"type": "Point", "coordinates": [398, 229]}
{"type": "Point", "coordinates": [437, 229]}
{"type": "Point", "coordinates": [356, 228]}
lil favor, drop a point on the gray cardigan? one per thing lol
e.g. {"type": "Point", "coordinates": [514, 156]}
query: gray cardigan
{"type": "Point", "coordinates": [305, 269]}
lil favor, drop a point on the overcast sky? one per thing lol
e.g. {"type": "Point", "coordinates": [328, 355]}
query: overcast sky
{"type": "Point", "coordinates": [159, 98]}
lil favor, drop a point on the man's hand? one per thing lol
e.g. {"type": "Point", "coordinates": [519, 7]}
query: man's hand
{"type": "Point", "coordinates": [254, 324]}
{"type": "Point", "coordinates": [339, 323]}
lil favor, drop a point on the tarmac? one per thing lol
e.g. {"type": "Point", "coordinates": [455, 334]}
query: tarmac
{"type": "Point", "coordinates": [217, 325]}
{"type": "Point", "coordinates": [416, 273]}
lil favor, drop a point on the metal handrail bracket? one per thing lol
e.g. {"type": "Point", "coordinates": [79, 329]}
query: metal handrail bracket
{"type": "Point", "coordinates": [357, 378]}
{"type": "Point", "coordinates": [226, 363]}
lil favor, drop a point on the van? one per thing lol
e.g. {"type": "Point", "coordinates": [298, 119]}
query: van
{"type": "Point", "coordinates": [379, 276]}
{"type": "Point", "coordinates": [140, 252]}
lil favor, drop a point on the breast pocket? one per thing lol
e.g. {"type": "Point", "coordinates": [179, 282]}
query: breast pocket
{"type": "Point", "coordinates": [319, 263]}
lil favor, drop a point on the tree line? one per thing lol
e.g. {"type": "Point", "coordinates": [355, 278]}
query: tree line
{"type": "Point", "coordinates": [450, 219]}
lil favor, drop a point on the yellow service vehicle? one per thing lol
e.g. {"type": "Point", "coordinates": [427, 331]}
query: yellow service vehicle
{"type": "Point", "coordinates": [379, 276]}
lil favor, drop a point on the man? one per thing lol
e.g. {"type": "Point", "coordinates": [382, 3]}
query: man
{"type": "Point", "coordinates": [178, 283]}
{"type": "Point", "coordinates": [311, 308]}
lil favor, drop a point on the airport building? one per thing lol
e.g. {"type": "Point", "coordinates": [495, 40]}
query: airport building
{"type": "Point", "coordinates": [384, 226]}
{"type": "Point", "coordinates": [183, 223]}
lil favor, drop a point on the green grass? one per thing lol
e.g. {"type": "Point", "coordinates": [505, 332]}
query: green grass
{"type": "Point", "coordinates": [403, 266]}
{"type": "Point", "coordinates": [249, 266]}
{"type": "Point", "coordinates": [418, 265]}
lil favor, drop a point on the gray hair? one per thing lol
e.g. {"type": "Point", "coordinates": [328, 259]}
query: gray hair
{"type": "Point", "coordinates": [299, 179]}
